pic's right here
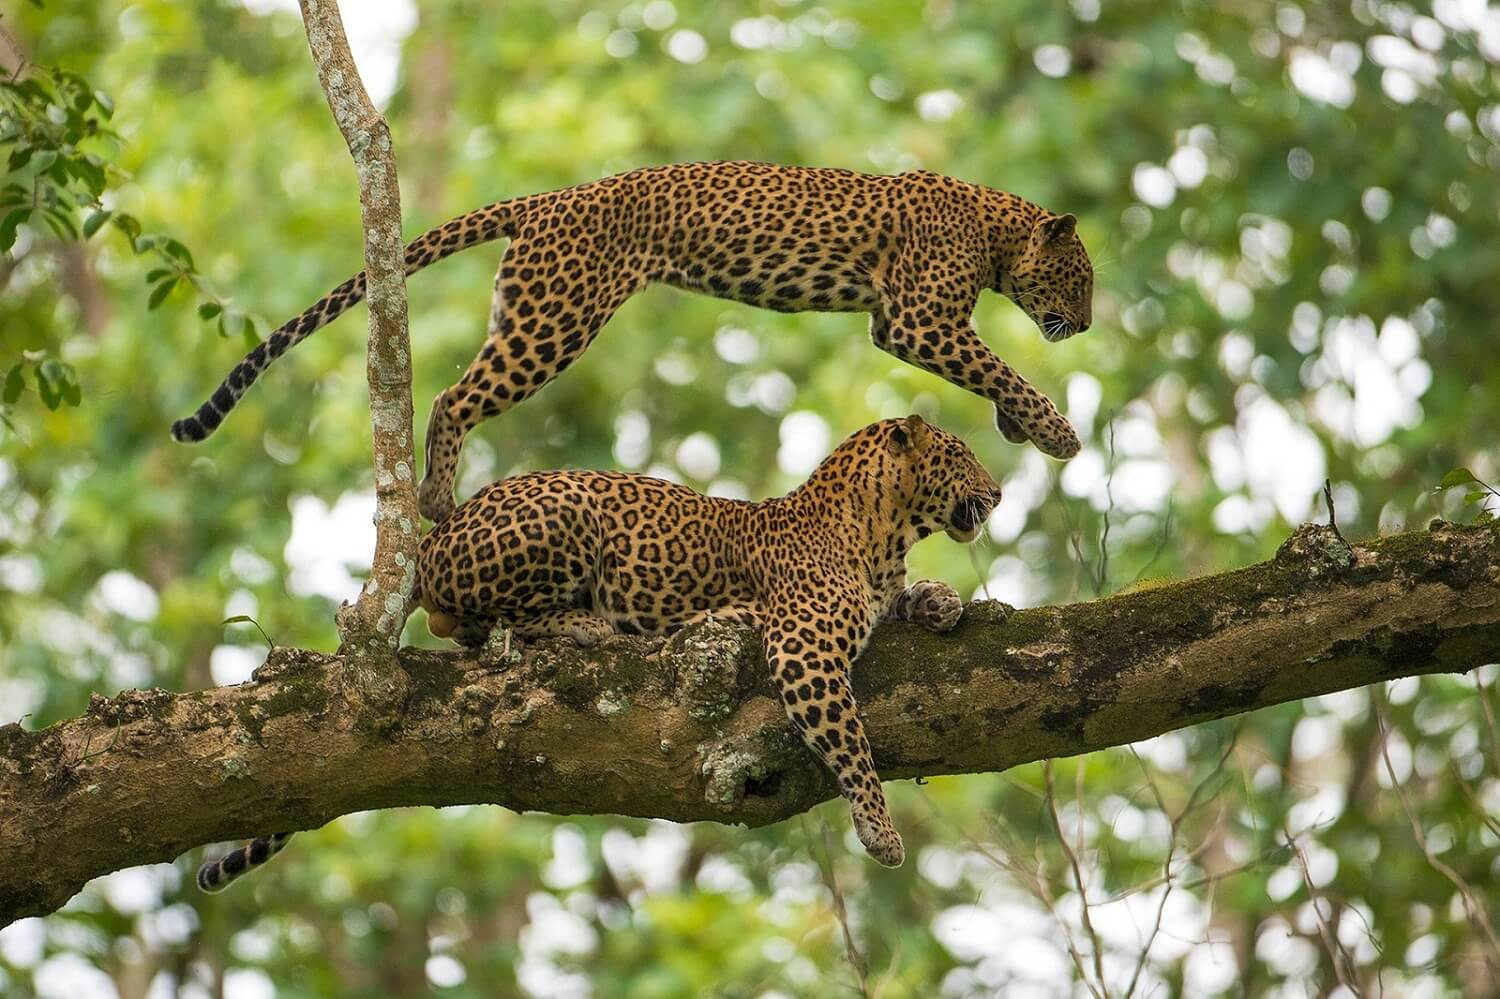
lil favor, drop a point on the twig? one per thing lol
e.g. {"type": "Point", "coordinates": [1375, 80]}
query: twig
{"type": "Point", "coordinates": [1109, 506]}
{"type": "Point", "coordinates": [1161, 546]}
{"type": "Point", "coordinates": [1083, 896]}
{"type": "Point", "coordinates": [1333, 519]}
{"type": "Point", "coordinates": [1032, 879]}
{"type": "Point", "coordinates": [15, 47]}
{"type": "Point", "coordinates": [840, 912]}
{"type": "Point", "coordinates": [1489, 718]}
{"type": "Point", "coordinates": [1472, 905]}
{"type": "Point", "coordinates": [1338, 957]}
{"type": "Point", "coordinates": [1174, 828]}
{"type": "Point", "coordinates": [1479, 810]}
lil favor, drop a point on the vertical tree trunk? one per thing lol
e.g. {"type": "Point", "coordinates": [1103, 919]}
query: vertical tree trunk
{"type": "Point", "coordinates": [370, 629]}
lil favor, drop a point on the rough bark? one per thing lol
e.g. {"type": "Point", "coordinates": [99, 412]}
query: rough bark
{"type": "Point", "coordinates": [370, 629]}
{"type": "Point", "coordinates": [690, 728]}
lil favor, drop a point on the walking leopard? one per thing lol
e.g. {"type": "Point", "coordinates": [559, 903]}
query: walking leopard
{"type": "Point", "coordinates": [913, 250]}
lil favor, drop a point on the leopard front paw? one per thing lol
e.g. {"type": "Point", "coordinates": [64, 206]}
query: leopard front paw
{"type": "Point", "coordinates": [935, 606]}
{"type": "Point", "coordinates": [1058, 439]}
{"type": "Point", "coordinates": [1009, 428]}
{"type": "Point", "coordinates": [587, 634]}
{"type": "Point", "coordinates": [881, 841]}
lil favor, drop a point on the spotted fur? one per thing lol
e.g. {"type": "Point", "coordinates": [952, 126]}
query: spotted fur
{"type": "Point", "coordinates": [216, 875]}
{"type": "Point", "coordinates": [913, 250]}
{"type": "Point", "coordinates": [585, 555]}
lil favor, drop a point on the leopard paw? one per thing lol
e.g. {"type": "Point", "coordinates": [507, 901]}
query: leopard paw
{"type": "Point", "coordinates": [586, 634]}
{"type": "Point", "coordinates": [1009, 428]}
{"type": "Point", "coordinates": [882, 841]}
{"type": "Point", "coordinates": [935, 606]}
{"type": "Point", "coordinates": [1058, 439]}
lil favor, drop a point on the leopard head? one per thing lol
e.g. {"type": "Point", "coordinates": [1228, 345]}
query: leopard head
{"type": "Point", "coordinates": [942, 482]}
{"type": "Point", "coordinates": [1052, 279]}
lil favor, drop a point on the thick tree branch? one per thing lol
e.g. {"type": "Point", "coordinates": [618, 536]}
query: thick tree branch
{"type": "Point", "coordinates": [371, 627]}
{"type": "Point", "coordinates": [691, 728]}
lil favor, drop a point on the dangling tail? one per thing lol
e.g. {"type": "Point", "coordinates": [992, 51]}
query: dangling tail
{"type": "Point", "coordinates": [479, 226]}
{"type": "Point", "coordinates": [216, 875]}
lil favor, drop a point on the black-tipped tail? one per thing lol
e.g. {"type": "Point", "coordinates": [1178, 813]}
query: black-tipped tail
{"type": "Point", "coordinates": [216, 875]}
{"type": "Point", "coordinates": [209, 415]}
{"type": "Point", "coordinates": [480, 226]}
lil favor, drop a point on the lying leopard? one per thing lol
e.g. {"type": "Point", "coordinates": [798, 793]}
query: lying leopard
{"type": "Point", "coordinates": [587, 555]}
{"type": "Point", "coordinates": [913, 250]}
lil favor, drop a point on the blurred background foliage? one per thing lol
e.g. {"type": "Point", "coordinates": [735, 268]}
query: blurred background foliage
{"type": "Point", "coordinates": [1293, 213]}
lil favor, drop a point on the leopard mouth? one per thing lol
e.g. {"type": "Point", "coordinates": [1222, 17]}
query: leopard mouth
{"type": "Point", "coordinates": [1055, 328]}
{"type": "Point", "coordinates": [969, 515]}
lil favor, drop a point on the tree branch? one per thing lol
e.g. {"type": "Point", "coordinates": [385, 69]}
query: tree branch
{"type": "Point", "coordinates": [370, 629]}
{"type": "Point", "coordinates": [691, 728]}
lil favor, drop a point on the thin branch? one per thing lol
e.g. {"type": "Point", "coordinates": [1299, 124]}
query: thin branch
{"type": "Point", "coordinates": [1338, 956]}
{"type": "Point", "coordinates": [1333, 517]}
{"type": "Point", "coordinates": [1472, 905]}
{"type": "Point", "coordinates": [1083, 894]}
{"type": "Point", "coordinates": [370, 629]}
{"type": "Point", "coordinates": [840, 911]}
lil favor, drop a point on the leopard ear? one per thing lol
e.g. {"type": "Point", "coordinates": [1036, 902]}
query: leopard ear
{"type": "Point", "coordinates": [1058, 229]}
{"type": "Point", "coordinates": [911, 435]}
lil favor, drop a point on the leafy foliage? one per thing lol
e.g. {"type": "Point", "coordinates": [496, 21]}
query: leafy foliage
{"type": "Point", "coordinates": [58, 174]}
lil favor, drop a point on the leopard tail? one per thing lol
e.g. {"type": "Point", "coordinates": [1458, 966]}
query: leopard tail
{"type": "Point", "coordinates": [216, 875]}
{"type": "Point", "coordinates": [482, 225]}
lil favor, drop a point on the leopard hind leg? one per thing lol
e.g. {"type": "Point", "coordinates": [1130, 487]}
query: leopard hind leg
{"type": "Point", "coordinates": [583, 627]}
{"type": "Point", "coordinates": [544, 314]}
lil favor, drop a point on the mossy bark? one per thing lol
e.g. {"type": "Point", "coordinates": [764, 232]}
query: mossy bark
{"type": "Point", "coordinates": [690, 728]}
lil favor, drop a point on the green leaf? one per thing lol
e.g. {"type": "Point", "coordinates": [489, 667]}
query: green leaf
{"type": "Point", "coordinates": [208, 310]}
{"type": "Point", "coordinates": [61, 223]}
{"type": "Point", "coordinates": [160, 292]}
{"type": "Point", "coordinates": [51, 394]}
{"type": "Point", "coordinates": [128, 225]}
{"type": "Point", "coordinates": [63, 379]}
{"type": "Point", "coordinates": [106, 104]}
{"type": "Point", "coordinates": [9, 225]}
{"type": "Point", "coordinates": [247, 619]}
{"type": "Point", "coordinates": [44, 159]}
{"type": "Point", "coordinates": [92, 175]}
{"type": "Point", "coordinates": [1475, 496]}
{"type": "Point", "coordinates": [176, 249]}
{"type": "Point", "coordinates": [155, 274]}
{"type": "Point", "coordinates": [15, 382]}
{"type": "Point", "coordinates": [1457, 477]}
{"type": "Point", "coordinates": [94, 223]}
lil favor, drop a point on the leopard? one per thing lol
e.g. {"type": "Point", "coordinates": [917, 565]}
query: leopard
{"type": "Point", "coordinates": [587, 555]}
{"type": "Point", "coordinates": [913, 250]}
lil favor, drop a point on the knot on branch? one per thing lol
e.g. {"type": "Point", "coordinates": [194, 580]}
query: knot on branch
{"type": "Point", "coordinates": [755, 764]}
{"type": "Point", "coordinates": [1318, 549]}
{"type": "Point", "coordinates": [710, 683]}
{"type": "Point", "coordinates": [129, 705]}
